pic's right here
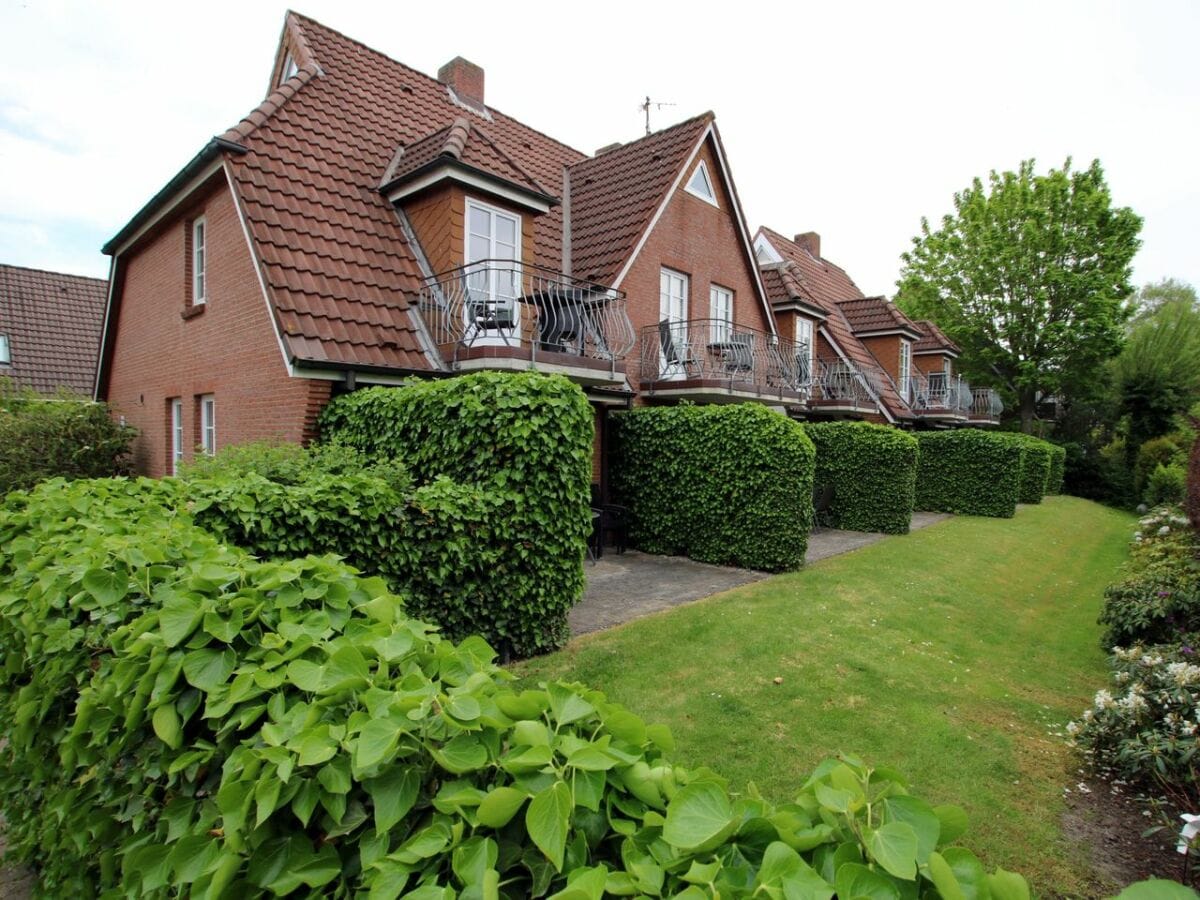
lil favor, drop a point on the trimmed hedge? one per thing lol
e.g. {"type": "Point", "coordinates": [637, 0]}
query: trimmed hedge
{"type": "Point", "coordinates": [730, 485]}
{"type": "Point", "coordinates": [180, 719]}
{"type": "Point", "coordinates": [510, 548]}
{"type": "Point", "coordinates": [969, 472]}
{"type": "Point", "coordinates": [1058, 469]}
{"type": "Point", "coordinates": [873, 471]}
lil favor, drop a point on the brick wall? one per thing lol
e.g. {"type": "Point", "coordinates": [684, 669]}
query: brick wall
{"type": "Point", "coordinates": [930, 363]}
{"type": "Point", "coordinates": [229, 350]}
{"type": "Point", "coordinates": [886, 351]}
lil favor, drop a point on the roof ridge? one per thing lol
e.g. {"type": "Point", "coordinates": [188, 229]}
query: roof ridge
{"type": "Point", "coordinates": [705, 116]}
{"type": "Point", "coordinates": [271, 104]}
{"type": "Point", "coordinates": [310, 20]}
{"type": "Point", "coordinates": [52, 272]}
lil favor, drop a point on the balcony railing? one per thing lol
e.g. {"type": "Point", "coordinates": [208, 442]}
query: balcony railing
{"type": "Point", "coordinates": [842, 383]}
{"type": "Point", "coordinates": [534, 312]}
{"type": "Point", "coordinates": [986, 404]}
{"type": "Point", "coordinates": [938, 394]}
{"type": "Point", "coordinates": [715, 353]}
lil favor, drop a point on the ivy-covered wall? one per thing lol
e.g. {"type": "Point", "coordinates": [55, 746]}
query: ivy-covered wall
{"type": "Point", "coordinates": [968, 472]}
{"type": "Point", "coordinates": [730, 485]}
{"type": "Point", "coordinates": [873, 471]}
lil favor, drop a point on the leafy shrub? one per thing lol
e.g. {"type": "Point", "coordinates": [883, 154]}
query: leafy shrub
{"type": "Point", "coordinates": [1158, 599]}
{"type": "Point", "coordinates": [293, 464]}
{"type": "Point", "coordinates": [1035, 465]}
{"type": "Point", "coordinates": [523, 444]}
{"type": "Point", "coordinates": [873, 471]}
{"type": "Point", "coordinates": [730, 485]}
{"type": "Point", "coordinates": [1058, 466]}
{"type": "Point", "coordinates": [1166, 484]}
{"type": "Point", "coordinates": [969, 472]}
{"type": "Point", "coordinates": [1159, 451]}
{"type": "Point", "coordinates": [63, 436]}
{"type": "Point", "coordinates": [1117, 473]}
{"type": "Point", "coordinates": [1144, 728]}
{"type": "Point", "coordinates": [1085, 473]}
{"type": "Point", "coordinates": [182, 719]}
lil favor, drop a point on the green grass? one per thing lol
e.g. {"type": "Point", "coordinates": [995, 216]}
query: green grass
{"type": "Point", "coordinates": [952, 654]}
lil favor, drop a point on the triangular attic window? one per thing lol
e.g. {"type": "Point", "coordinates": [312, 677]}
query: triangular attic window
{"type": "Point", "coordinates": [701, 185]}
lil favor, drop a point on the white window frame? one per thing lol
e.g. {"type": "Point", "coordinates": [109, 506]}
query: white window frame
{"type": "Point", "coordinates": [199, 260]}
{"type": "Point", "coordinates": [720, 305]}
{"type": "Point", "coordinates": [804, 335]}
{"type": "Point", "coordinates": [946, 367]}
{"type": "Point", "coordinates": [674, 289]}
{"type": "Point", "coordinates": [208, 424]}
{"type": "Point", "coordinates": [176, 434]}
{"type": "Point", "coordinates": [905, 367]}
{"type": "Point", "coordinates": [501, 336]}
{"type": "Point", "coordinates": [701, 171]}
{"type": "Point", "coordinates": [5, 351]}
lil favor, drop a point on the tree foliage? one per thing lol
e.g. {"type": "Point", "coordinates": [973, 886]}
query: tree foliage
{"type": "Point", "coordinates": [1030, 276]}
{"type": "Point", "coordinates": [1154, 296]}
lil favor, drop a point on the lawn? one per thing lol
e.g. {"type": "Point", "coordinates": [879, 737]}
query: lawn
{"type": "Point", "coordinates": [955, 654]}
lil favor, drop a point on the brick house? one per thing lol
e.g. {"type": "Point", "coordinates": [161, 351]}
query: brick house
{"type": "Point", "coordinates": [867, 359]}
{"type": "Point", "coordinates": [50, 329]}
{"type": "Point", "coordinates": [367, 224]}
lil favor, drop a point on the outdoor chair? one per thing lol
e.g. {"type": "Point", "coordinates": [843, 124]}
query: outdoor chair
{"type": "Point", "coordinates": [738, 352]}
{"type": "Point", "coordinates": [675, 348]}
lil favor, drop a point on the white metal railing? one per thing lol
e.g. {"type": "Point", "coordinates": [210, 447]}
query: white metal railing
{"type": "Point", "coordinates": [843, 381]}
{"type": "Point", "coordinates": [719, 350]}
{"type": "Point", "coordinates": [502, 303]}
{"type": "Point", "coordinates": [986, 404]}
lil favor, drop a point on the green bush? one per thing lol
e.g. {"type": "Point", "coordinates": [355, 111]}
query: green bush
{"type": "Point", "coordinates": [969, 472]}
{"type": "Point", "coordinates": [1058, 469]}
{"type": "Point", "coordinates": [1166, 484]}
{"type": "Point", "coordinates": [521, 446]}
{"type": "Point", "coordinates": [729, 485]}
{"type": "Point", "coordinates": [1036, 462]}
{"type": "Point", "coordinates": [873, 471]}
{"type": "Point", "coordinates": [293, 464]}
{"type": "Point", "coordinates": [63, 436]}
{"type": "Point", "coordinates": [181, 719]}
{"type": "Point", "coordinates": [1159, 451]}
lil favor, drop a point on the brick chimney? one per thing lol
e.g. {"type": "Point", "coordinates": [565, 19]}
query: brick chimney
{"type": "Point", "coordinates": [464, 78]}
{"type": "Point", "coordinates": [810, 241]}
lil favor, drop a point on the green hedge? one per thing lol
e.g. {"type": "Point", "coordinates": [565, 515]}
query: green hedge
{"type": "Point", "coordinates": [969, 472]}
{"type": "Point", "coordinates": [873, 471]}
{"type": "Point", "coordinates": [521, 446]}
{"type": "Point", "coordinates": [181, 719]}
{"type": "Point", "coordinates": [730, 485]}
{"type": "Point", "coordinates": [1036, 459]}
{"type": "Point", "coordinates": [1058, 469]}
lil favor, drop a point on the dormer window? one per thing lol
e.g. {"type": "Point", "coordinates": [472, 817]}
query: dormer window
{"type": "Point", "coordinates": [700, 185]}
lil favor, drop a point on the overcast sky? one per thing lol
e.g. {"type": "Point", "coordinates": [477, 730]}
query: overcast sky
{"type": "Point", "coordinates": [850, 119]}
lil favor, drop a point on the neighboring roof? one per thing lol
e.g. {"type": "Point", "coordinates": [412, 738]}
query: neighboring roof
{"type": "Point", "coordinates": [875, 314]}
{"type": "Point", "coordinates": [785, 286]}
{"type": "Point", "coordinates": [52, 322]}
{"type": "Point", "coordinates": [831, 288]}
{"type": "Point", "coordinates": [934, 340]}
{"type": "Point", "coordinates": [614, 196]}
{"type": "Point", "coordinates": [464, 143]}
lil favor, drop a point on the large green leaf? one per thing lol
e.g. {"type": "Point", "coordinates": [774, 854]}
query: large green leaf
{"type": "Point", "coordinates": [1157, 889]}
{"type": "Point", "coordinates": [465, 753]}
{"type": "Point", "coordinates": [208, 669]}
{"type": "Point", "coordinates": [105, 586]}
{"type": "Point", "coordinates": [894, 846]}
{"type": "Point", "coordinates": [698, 815]}
{"type": "Point", "coordinates": [918, 814]}
{"type": "Point", "coordinates": [178, 618]}
{"type": "Point", "coordinates": [375, 743]}
{"type": "Point", "coordinates": [968, 872]}
{"type": "Point", "coordinates": [856, 882]}
{"type": "Point", "coordinates": [548, 819]}
{"type": "Point", "coordinates": [943, 878]}
{"type": "Point", "coordinates": [166, 725]}
{"type": "Point", "coordinates": [393, 794]}
{"type": "Point", "coordinates": [1007, 886]}
{"type": "Point", "coordinates": [499, 806]}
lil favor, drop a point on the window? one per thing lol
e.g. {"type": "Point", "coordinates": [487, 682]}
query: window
{"type": "Point", "coordinates": [905, 367]}
{"type": "Point", "coordinates": [672, 296]}
{"type": "Point", "coordinates": [721, 309]}
{"type": "Point", "coordinates": [946, 367]}
{"type": "Point", "coordinates": [208, 424]}
{"type": "Point", "coordinates": [493, 258]}
{"type": "Point", "coordinates": [700, 185]}
{"type": "Point", "coordinates": [199, 281]}
{"type": "Point", "coordinates": [5, 351]}
{"type": "Point", "coordinates": [804, 349]}
{"type": "Point", "coordinates": [672, 323]}
{"type": "Point", "coordinates": [176, 434]}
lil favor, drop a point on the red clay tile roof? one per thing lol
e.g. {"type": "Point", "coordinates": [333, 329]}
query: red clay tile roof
{"type": "Point", "coordinates": [464, 142]}
{"type": "Point", "coordinates": [53, 323]}
{"type": "Point", "coordinates": [784, 283]}
{"type": "Point", "coordinates": [933, 339]}
{"type": "Point", "coordinates": [335, 260]}
{"type": "Point", "coordinates": [830, 287]}
{"type": "Point", "coordinates": [614, 196]}
{"type": "Point", "coordinates": [869, 314]}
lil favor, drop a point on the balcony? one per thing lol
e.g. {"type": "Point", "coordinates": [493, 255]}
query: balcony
{"type": "Point", "coordinates": [845, 387]}
{"type": "Point", "coordinates": [715, 360]}
{"type": "Point", "coordinates": [938, 397]}
{"type": "Point", "coordinates": [500, 314]}
{"type": "Point", "coordinates": [986, 407]}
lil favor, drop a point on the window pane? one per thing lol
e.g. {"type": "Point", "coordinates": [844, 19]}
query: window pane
{"type": "Point", "coordinates": [480, 248]}
{"type": "Point", "coordinates": [506, 230]}
{"type": "Point", "coordinates": [480, 221]}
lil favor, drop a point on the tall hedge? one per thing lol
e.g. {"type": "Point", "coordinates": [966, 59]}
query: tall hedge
{"type": "Point", "coordinates": [1036, 461]}
{"type": "Point", "coordinates": [873, 472]}
{"type": "Point", "coordinates": [969, 472]}
{"type": "Point", "coordinates": [730, 485]}
{"type": "Point", "coordinates": [525, 440]}
{"type": "Point", "coordinates": [1058, 469]}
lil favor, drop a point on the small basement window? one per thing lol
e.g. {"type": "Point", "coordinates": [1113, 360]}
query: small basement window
{"type": "Point", "coordinates": [700, 185]}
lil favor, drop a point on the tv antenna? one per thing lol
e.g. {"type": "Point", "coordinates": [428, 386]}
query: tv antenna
{"type": "Point", "coordinates": [645, 107]}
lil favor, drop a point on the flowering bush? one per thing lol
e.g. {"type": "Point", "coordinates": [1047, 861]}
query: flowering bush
{"type": "Point", "coordinates": [1145, 727]}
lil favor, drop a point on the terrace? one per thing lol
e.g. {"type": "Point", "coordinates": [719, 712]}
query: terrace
{"type": "Point", "coordinates": [841, 386]}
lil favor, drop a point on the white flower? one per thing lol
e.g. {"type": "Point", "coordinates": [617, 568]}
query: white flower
{"type": "Point", "coordinates": [1103, 699]}
{"type": "Point", "coordinates": [1073, 728]}
{"type": "Point", "coordinates": [1191, 827]}
{"type": "Point", "coordinates": [1184, 673]}
{"type": "Point", "coordinates": [1166, 529]}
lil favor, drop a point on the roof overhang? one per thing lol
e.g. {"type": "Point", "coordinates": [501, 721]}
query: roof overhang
{"type": "Point", "coordinates": [446, 169]}
{"type": "Point", "coordinates": [795, 304]}
{"type": "Point", "coordinates": [937, 351]}
{"type": "Point", "coordinates": [889, 332]}
{"type": "Point", "coordinates": [203, 166]}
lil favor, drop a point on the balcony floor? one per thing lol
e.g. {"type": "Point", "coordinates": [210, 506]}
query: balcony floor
{"type": "Point", "coordinates": [720, 390]}
{"type": "Point", "coordinates": [580, 369]}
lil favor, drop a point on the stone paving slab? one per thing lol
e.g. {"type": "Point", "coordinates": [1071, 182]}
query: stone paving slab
{"type": "Point", "coordinates": [626, 586]}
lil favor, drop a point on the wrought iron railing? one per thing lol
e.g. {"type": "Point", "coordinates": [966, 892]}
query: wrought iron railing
{"type": "Point", "coordinates": [986, 404]}
{"type": "Point", "coordinates": [719, 350]}
{"type": "Point", "coordinates": [839, 380]}
{"type": "Point", "coordinates": [501, 303]}
{"type": "Point", "coordinates": [938, 393]}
